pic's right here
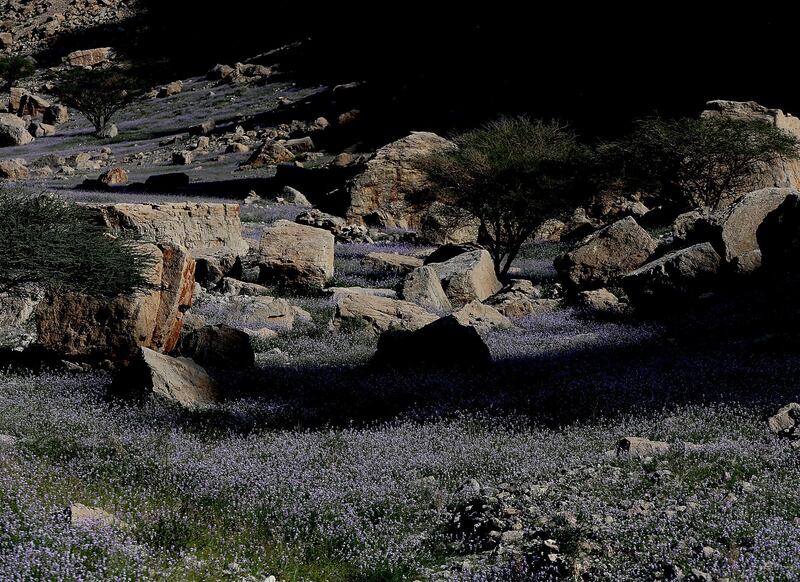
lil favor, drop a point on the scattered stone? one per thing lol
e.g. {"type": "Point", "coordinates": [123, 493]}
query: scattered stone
{"type": "Point", "coordinates": [170, 89]}
{"type": "Point", "coordinates": [164, 378]}
{"type": "Point", "coordinates": [269, 154]}
{"type": "Point", "coordinates": [602, 301]}
{"type": "Point", "coordinates": [380, 313]}
{"type": "Point", "coordinates": [339, 292]}
{"type": "Point", "coordinates": [81, 515]}
{"type": "Point", "coordinates": [393, 262]}
{"type": "Point", "coordinates": [444, 343]}
{"type": "Point", "coordinates": [115, 176]}
{"type": "Point", "coordinates": [679, 275]}
{"type": "Point", "coordinates": [214, 265]}
{"type": "Point", "coordinates": [12, 170]}
{"type": "Point", "coordinates": [423, 287]}
{"type": "Point", "coordinates": [13, 131]}
{"type": "Point", "coordinates": [295, 255]}
{"type": "Point", "coordinates": [39, 129]}
{"type": "Point", "coordinates": [786, 422]}
{"type": "Point", "coordinates": [467, 277]}
{"type": "Point", "coordinates": [520, 298]}
{"type": "Point", "coordinates": [482, 317]}
{"type": "Point", "coordinates": [237, 148]}
{"type": "Point", "coordinates": [302, 144]}
{"type": "Point", "coordinates": [203, 128]}
{"type": "Point", "coordinates": [56, 114]}
{"type": "Point", "coordinates": [295, 197]}
{"type": "Point", "coordinates": [230, 286]}
{"type": "Point", "coordinates": [551, 229]}
{"type": "Point", "coordinates": [182, 158]}
{"type": "Point", "coordinates": [319, 219]}
{"type": "Point", "coordinates": [110, 131]}
{"type": "Point", "coordinates": [639, 448]}
{"type": "Point", "coordinates": [218, 346]}
{"type": "Point", "coordinates": [89, 57]}
{"type": "Point", "coordinates": [606, 255]}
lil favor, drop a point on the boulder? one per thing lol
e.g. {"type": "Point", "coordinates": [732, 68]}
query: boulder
{"type": "Point", "coordinates": [393, 262]}
{"type": "Point", "coordinates": [215, 264]}
{"type": "Point", "coordinates": [551, 229]}
{"type": "Point", "coordinates": [12, 170]}
{"type": "Point", "coordinates": [166, 379]}
{"type": "Point", "coordinates": [39, 129]}
{"type": "Point", "coordinates": [75, 325]}
{"type": "Point", "coordinates": [196, 226]}
{"type": "Point", "coordinates": [601, 302]}
{"type": "Point", "coordinates": [299, 145]}
{"type": "Point", "coordinates": [170, 89]}
{"type": "Point", "coordinates": [467, 277]}
{"type": "Point", "coordinates": [779, 236]}
{"type": "Point", "coordinates": [786, 422]}
{"type": "Point", "coordinates": [13, 131]}
{"type": "Point", "coordinates": [678, 275]}
{"type": "Point", "coordinates": [604, 256]}
{"type": "Point", "coordinates": [255, 312]}
{"type": "Point", "coordinates": [110, 131]}
{"type": "Point", "coordinates": [295, 255]}
{"type": "Point", "coordinates": [423, 287]}
{"type": "Point", "coordinates": [445, 224]}
{"type": "Point", "coordinates": [388, 192]}
{"type": "Point", "coordinates": [182, 158]}
{"type": "Point", "coordinates": [24, 103]}
{"type": "Point", "coordinates": [89, 57]}
{"type": "Point", "coordinates": [380, 313]}
{"type": "Point", "coordinates": [319, 219]}
{"type": "Point", "coordinates": [733, 229]}
{"type": "Point", "coordinates": [295, 197]}
{"type": "Point", "coordinates": [56, 114]}
{"type": "Point", "coordinates": [444, 343]}
{"type": "Point", "coordinates": [84, 516]}
{"type": "Point", "coordinates": [115, 176]}
{"type": "Point", "coordinates": [231, 286]}
{"type": "Point", "coordinates": [203, 128]}
{"type": "Point", "coordinates": [779, 173]}
{"type": "Point", "coordinates": [518, 299]}
{"type": "Point", "coordinates": [218, 346]}
{"type": "Point", "coordinates": [339, 292]}
{"type": "Point", "coordinates": [220, 72]}
{"type": "Point", "coordinates": [691, 227]}
{"type": "Point", "coordinates": [482, 317]}
{"type": "Point", "coordinates": [269, 154]}
{"type": "Point", "coordinates": [640, 448]}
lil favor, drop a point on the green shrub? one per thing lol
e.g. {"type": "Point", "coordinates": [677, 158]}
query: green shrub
{"type": "Point", "coordinates": [511, 174]}
{"type": "Point", "coordinates": [695, 162]}
{"type": "Point", "coordinates": [53, 242]}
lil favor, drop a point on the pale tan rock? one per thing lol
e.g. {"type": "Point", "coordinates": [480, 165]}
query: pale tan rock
{"type": "Point", "coordinates": [81, 515]}
{"type": "Point", "coordinates": [89, 57]}
{"type": "Point", "coordinates": [393, 262]}
{"type": "Point", "coordinates": [606, 255]}
{"type": "Point", "coordinates": [518, 299]}
{"type": "Point", "coordinates": [423, 287]}
{"type": "Point", "coordinates": [296, 255]}
{"type": "Point", "coordinates": [482, 317]}
{"type": "Point", "coordinates": [175, 380]}
{"type": "Point", "coordinates": [468, 277]}
{"type": "Point", "coordinates": [115, 176]}
{"type": "Point", "coordinates": [786, 421]}
{"type": "Point", "coordinates": [385, 193]}
{"type": "Point", "coordinates": [13, 131]}
{"type": "Point", "coordinates": [12, 170]}
{"type": "Point", "coordinates": [639, 448]}
{"type": "Point", "coordinates": [380, 313]}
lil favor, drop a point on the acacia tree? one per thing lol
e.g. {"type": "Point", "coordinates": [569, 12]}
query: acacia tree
{"type": "Point", "coordinates": [697, 162]}
{"type": "Point", "coordinates": [49, 241]}
{"type": "Point", "coordinates": [99, 94]}
{"type": "Point", "coordinates": [510, 174]}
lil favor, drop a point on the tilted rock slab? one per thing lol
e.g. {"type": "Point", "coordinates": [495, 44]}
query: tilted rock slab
{"type": "Point", "coordinates": [380, 313]}
{"type": "Point", "coordinates": [468, 277]}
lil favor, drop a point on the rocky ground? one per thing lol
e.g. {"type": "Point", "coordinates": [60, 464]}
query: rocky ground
{"type": "Point", "coordinates": [298, 415]}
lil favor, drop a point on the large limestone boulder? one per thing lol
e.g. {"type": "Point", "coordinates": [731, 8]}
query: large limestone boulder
{"type": "Point", "coordinates": [678, 275]}
{"type": "Point", "coordinates": [423, 287]}
{"type": "Point", "coordinates": [380, 314]}
{"type": "Point", "coordinates": [76, 325]}
{"type": "Point", "coordinates": [22, 102]}
{"type": "Point", "coordinates": [199, 227]}
{"type": "Point", "coordinates": [218, 346]}
{"type": "Point", "coordinates": [13, 130]}
{"type": "Point", "coordinates": [467, 276]}
{"type": "Point", "coordinates": [604, 256]}
{"type": "Point", "coordinates": [388, 192]}
{"type": "Point", "coordinates": [13, 170]}
{"type": "Point", "coordinates": [296, 255]}
{"type": "Point", "coordinates": [780, 173]}
{"type": "Point", "coordinates": [444, 343]}
{"type": "Point", "coordinates": [733, 229]}
{"type": "Point", "coordinates": [167, 379]}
